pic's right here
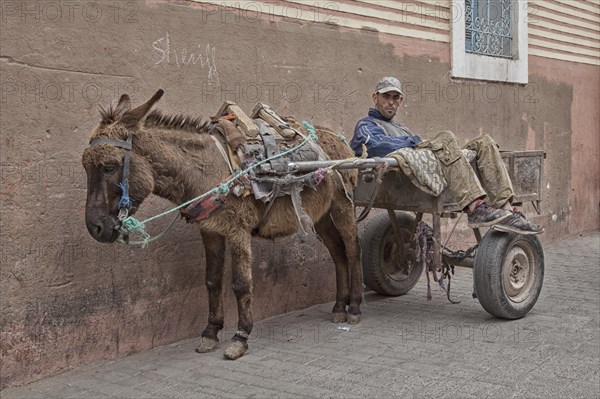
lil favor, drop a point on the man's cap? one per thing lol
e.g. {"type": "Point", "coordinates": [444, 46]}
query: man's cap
{"type": "Point", "coordinates": [388, 84]}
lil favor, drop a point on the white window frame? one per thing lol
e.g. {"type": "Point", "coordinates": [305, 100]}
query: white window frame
{"type": "Point", "coordinates": [483, 67]}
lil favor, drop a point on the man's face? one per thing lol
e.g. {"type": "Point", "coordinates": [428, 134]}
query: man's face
{"type": "Point", "coordinates": [387, 103]}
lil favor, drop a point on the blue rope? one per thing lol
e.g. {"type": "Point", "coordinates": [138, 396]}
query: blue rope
{"type": "Point", "coordinates": [125, 201]}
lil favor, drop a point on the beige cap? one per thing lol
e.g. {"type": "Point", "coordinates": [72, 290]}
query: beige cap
{"type": "Point", "coordinates": [388, 84]}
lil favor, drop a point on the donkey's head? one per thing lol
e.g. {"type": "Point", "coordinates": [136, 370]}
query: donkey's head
{"type": "Point", "coordinates": [118, 178]}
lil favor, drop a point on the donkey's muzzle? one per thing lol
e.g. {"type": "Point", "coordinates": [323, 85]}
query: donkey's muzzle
{"type": "Point", "coordinates": [102, 229]}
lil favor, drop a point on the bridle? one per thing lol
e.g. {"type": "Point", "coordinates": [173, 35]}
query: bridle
{"type": "Point", "coordinates": [125, 203]}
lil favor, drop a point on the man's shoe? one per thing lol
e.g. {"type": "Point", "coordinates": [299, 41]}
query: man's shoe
{"type": "Point", "coordinates": [485, 215]}
{"type": "Point", "coordinates": [518, 224]}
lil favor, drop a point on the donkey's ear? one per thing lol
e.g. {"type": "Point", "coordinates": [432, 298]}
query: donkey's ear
{"type": "Point", "coordinates": [133, 117]}
{"type": "Point", "coordinates": [123, 106]}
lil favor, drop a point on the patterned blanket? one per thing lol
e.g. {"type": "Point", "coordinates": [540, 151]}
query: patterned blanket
{"type": "Point", "coordinates": [423, 168]}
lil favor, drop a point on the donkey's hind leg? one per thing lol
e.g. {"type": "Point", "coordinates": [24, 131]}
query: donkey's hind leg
{"type": "Point", "coordinates": [214, 247]}
{"type": "Point", "coordinates": [241, 277]}
{"type": "Point", "coordinates": [344, 220]}
{"type": "Point", "coordinates": [330, 236]}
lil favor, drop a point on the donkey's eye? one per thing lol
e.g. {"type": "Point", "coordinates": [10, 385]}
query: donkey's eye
{"type": "Point", "coordinates": [109, 168]}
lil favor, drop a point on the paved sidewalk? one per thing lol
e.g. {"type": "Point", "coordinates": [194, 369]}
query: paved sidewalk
{"type": "Point", "coordinates": [404, 347]}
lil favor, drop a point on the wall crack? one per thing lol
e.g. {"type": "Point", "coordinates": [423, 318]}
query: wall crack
{"type": "Point", "coordinates": [11, 60]}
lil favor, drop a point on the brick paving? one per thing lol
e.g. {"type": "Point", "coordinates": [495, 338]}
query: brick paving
{"type": "Point", "coordinates": [404, 347]}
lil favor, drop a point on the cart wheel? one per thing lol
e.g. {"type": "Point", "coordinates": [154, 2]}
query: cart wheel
{"type": "Point", "coordinates": [388, 262]}
{"type": "Point", "coordinates": [508, 273]}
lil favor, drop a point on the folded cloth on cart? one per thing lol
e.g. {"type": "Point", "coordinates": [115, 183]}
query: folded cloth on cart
{"type": "Point", "coordinates": [423, 168]}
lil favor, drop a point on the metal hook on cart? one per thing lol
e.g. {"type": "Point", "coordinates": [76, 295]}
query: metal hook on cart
{"type": "Point", "coordinates": [381, 170]}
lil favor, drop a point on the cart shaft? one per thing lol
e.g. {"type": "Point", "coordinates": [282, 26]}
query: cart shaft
{"type": "Point", "coordinates": [309, 166]}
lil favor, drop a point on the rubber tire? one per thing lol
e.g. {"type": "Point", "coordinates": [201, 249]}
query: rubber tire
{"type": "Point", "coordinates": [490, 263]}
{"type": "Point", "coordinates": [376, 245]}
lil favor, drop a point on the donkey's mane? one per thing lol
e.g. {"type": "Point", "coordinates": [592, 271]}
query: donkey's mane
{"type": "Point", "coordinates": [177, 121]}
{"type": "Point", "coordinates": [157, 119]}
{"type": "Point", "coordinates": [108, 115]}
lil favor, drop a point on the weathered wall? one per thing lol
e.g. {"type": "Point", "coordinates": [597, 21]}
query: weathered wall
{"type": "Point", "coordinates": [67, 300]}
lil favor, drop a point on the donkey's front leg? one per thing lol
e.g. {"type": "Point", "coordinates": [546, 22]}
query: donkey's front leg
{"type": "Point", "coordinates": [214, 248]}
{"type": "Point", "coordinates": [241, 276]}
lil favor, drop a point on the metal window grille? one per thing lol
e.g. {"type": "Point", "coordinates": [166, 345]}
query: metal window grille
{"type": "Point", "coordinates": [488, 27]}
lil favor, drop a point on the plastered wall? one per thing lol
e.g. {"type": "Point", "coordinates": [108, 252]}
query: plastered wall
{"type": "Point", "coordinates": [66, 300]}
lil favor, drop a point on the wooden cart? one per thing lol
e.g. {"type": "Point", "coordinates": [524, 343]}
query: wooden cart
{"type": "Point", "coordinates": [508, 268]}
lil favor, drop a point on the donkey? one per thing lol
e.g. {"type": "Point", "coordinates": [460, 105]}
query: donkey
{"type": "Point", "coordinates": [174, 157]}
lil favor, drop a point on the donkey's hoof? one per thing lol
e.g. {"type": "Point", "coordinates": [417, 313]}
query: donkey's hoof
{"type": "Point", "coordinates": [235, 350]}
{"type": "Point", "coordinates": [339, 317]}
{"type": "Point", "coordinates": [207, 345]}
{"type": "Point", "coordinates": [353, 318]}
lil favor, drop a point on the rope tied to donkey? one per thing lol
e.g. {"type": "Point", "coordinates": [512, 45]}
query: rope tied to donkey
{"type": "Point", "coordinates": [223, 189]}
{"type": "Point", "coordinates": [132, 225]}
{"type": "Point", "coordinates": [311, 131]}
{"type": "Point", "coordinates": [125, 201]}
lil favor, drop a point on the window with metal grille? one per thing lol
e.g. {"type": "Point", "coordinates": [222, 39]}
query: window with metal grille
{"type": "Point", "coordinates": [489, 40]}
{"type": "Point", "coordinates": [488, 27]}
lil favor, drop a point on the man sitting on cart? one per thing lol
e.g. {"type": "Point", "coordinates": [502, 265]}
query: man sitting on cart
{"type": "Point", "coordinates": [381, 135]}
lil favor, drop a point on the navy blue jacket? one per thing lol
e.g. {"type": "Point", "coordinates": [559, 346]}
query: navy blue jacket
{"type": "Point", "coordinates": [377, 141]}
